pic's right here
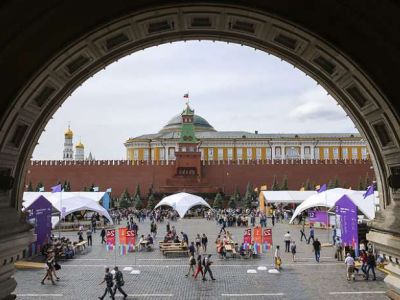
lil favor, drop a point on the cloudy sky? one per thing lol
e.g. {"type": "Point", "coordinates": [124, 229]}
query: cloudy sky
{"type": "Point", "coordinates": [233, 87]}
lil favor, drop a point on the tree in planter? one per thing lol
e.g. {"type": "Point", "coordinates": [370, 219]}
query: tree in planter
{"type": "Point", "coordinates": [151, 202]}
{"type": "Point", "coordinates": [138, 203]}
{"type": "Point", "coordinates": [151, 191]}
{"type": "Point", "coordinates": [336, 182]}
{"type": "Point", "coordinates": [218, 201]}
{"type": "Point", "coordinates": [249, 192]}
{"type": "Point", "coordinates": [284, 186]}
{"type": "Point", "coordinates": [367, 181]}
{"type": "Point", "coordinates": [275, 185]}
{"type": "Point", "coordinates": [331, 184]}
{"type": "Point", "coordinates": [247, 201]}
{"type": "Point", "coordinates": [308, 185]}
{"type": "Point", "coordinates": [232, 202]}
{"type": "Point", "coordinates": [124, 203]}
{"type": "Point", "coordinates": [30, 187]}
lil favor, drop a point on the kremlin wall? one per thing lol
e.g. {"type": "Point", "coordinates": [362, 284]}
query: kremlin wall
{"type": "Point", "coordinates": [188, 154]}
{"type": "Point", "coordinates": [216, 175]}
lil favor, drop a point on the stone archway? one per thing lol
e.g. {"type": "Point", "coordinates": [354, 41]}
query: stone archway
{"type": "Point", "coordinates": [121, 29]}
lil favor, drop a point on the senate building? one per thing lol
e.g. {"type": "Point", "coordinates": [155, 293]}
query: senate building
{"type": "Point", "coordinates": [241, 145]}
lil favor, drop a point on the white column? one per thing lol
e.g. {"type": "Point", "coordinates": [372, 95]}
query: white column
{"type": "Point", "coordinates": [301, 152]}
{"type": "Point", "coordinates": [272, 152]}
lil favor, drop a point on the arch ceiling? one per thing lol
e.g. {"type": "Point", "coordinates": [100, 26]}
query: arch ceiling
{"type": "Point", "coordinates": [50, 47]}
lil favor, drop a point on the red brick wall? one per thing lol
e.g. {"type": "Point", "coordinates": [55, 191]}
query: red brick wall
{"type": "Point", "coordinates": [225, 176]}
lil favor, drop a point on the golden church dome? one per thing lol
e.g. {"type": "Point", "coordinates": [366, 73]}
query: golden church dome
{"type": "Point", "coordinates": [79, 145]}
{"type": "Point", "coordinates": [68, 134]}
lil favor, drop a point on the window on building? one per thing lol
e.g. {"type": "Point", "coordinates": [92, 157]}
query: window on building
{"type": "Point", "coordinates": [335, 153]}
{"type": "Point", "coordinates": [345, 153]}
{"type": "Point", "coordinates": [307, 151]}
{"type": "Point", "coordinates": [292, 152]}
{"type": "Point", "coordinates": [239, 153]}
{"type": "Point", "coordinates": [220, 154]}
{"type": "Point", "coordinates": [162, 154]}
{"type": "Point", "coordinates": [171, 153]}
{"type": "Point", "coordinates": [258, 153]}
{"type": "Point", "coordinates": [268, 150]}
{"type": "Point", "coordinates": [249, 153]}
{"type": "Point", "coordinates": [135, 154]}
{"type": "Point", "coordinates": [354, 153]}
{"type": "Point", "coordinates": [278, 152]}
{"type": "Point", "coordinates": [316, 153]}
{"type": "Point", "coordinates": [210, 153]}
{"type": "Point", "coordinates": [326, 153]}
{"type": "Point", "coordinates": [230, 153]}
{"type": "Point", "coordinates": [145, 154]}
{"type": "Point", "coordinates": [364, 153]}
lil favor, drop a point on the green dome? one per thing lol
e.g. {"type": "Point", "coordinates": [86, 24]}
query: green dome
{"type": "Point", "coordinates": [200, 124]}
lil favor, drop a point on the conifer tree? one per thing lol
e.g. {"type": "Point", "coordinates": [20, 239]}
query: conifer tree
{"type": "Point", "coordinates": [138, 202]}
{"type": "Point", "coordinates": [237, 195]}
{"type": "Point", "coordinates": [30, 187]}
{"type": "Point", "coordinates": [218, 201]}
{"type": "Point", "coordinates": [284, 186]}
{"type": "Point", "coordinates": [275, 185]}
{"type": "Point", "coordinates": [151, 202]}
{"type": "Point", "coordinates": [232, 202]}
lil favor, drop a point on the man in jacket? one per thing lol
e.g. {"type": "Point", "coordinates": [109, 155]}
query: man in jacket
{"type": "Point", "coordinates": [108, 279]}
{"type": "Point", "coordinates": [207, 263]}
{"type": "Point", "coordinates": [119, 282]}
{"type": "Point", "coordinates": [371, 264]}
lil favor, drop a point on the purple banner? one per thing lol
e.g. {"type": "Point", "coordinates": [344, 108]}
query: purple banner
{"type": "Point", "coordinates": [347, 211]}
{"type": "Point", "coordinates": [319, 217]}
{"type": "Point", "coordinates": [40, 217]}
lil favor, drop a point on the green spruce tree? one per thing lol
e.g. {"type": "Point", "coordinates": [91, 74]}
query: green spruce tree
{"type": "Point", "coordinates": [308, 186]}
{"type": "Point", "coordinates": [151, 202]}
{"type": "Point", "coordinates": [218, 201]}
{"type": "Point", "coordinates": [30, 187]}
{"type": "Point", "coordinates": [137, 192]}
{"type": "Point", "coordinates": [361, 185]}
{"type": "Point", "coordinates": [138, 202]}
{"type": "Point", "coordinates": [232, 202]}
{"type": "Point", "coordinates": [336, 182]}
{"type": "Point", "coordinates": [237, 195]}
{"type": "Point", "coordinates": [284, 186]}
{"type": "Point", "coordinates": [275, 184]}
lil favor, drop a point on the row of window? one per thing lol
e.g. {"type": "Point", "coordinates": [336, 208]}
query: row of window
{"type": "Point", "coordinates": [290, 153]}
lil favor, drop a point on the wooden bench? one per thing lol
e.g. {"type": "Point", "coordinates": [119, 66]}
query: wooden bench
{"type": "Point", "coordinates": [176, 251]}
{"type": "Point", "coordinates": [80, 246]}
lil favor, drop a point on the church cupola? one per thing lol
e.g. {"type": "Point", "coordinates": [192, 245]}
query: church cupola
{"type": "Point", "coordinates": [68, 153]}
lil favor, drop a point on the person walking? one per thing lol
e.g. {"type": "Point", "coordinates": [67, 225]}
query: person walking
{"type": "Point", "coordinates": [339, 249]}
{"type": "Point", "coordinates": [349, 262]}
{"type": "Point", "coordinates": [364, 262]}
{"type": "Point", "coordinates": [207, 263]}
{"type": "Point", "coordinates": [198, 243]}
{"type": "Point", "coordinates": [277, 258]}
{"type": "Point", "coordinates": [192, 263]}
{"type": "Point", "coordinates": [302, 234]}
{"type": "Point", "coordinates": [119, 282]}
{"type": "Point", "coordinates": [89, 237]}
{"type": "Point", "coordinates": [287, 239]}
{"type": "Point", "coordinates": [103, 235]}
{"type": "Point", "coordinates": [204, 241]}
{"type": "Point", "coordinates": [199, 268]}
{"type": "Point", "coordinates": [192, 249]}
{"type": "Point", "coordinates": [293, 250]}
{"type": "Point", "coordinates": [371, 264]}
{"type": "Point", "coordinates": [317, 249]}
{"type": "Point", "coordinates": [49, 268]}
{"type": "Point", "coordinates": [108, 279]}
{"type": "Point", "coordinates": [311, 235]}
{"type": "Point", "coordinates": [273, 219]}
{"type": "Point", "coordinates": [333, 235]}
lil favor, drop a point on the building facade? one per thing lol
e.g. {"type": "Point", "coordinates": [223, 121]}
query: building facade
{"type": "Point", "coordinates": [240, 145]}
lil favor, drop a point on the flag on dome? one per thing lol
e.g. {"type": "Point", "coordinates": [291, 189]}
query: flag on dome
{"type": "Point", "coordinates": [370, 191]}
{"type": "Point", "coordinates": [56, 188]}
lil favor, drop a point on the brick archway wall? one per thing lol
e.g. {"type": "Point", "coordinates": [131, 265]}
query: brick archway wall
{"type": "Point", "coordinates": [59, 45]}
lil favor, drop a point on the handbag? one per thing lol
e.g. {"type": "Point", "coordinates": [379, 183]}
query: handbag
{"type": "Point", "coordinates": [57, 266]}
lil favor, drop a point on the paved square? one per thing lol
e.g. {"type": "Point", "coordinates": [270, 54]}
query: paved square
{"type": "Point", "coordinates": [165, 278]}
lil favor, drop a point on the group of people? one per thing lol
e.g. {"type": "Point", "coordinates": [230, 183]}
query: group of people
{"type": "Point", "coordinates": [202, 265]}
{"type": "Point", "coordinates": [113, 283]}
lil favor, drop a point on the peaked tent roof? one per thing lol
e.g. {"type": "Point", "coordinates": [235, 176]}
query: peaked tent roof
{"type": "Point", "coordinates": [30, 197]}
{"type": "Point", "coordinates": [329, 198]}
{"type": "Point", "coordinates": [287, 196]}
{"type": "Point", "coordinates": [182, 202]}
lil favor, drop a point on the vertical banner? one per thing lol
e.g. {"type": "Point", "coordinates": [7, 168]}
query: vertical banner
{"type": "Point", "coordinates": [318, 218]}
{"type": "Point", "coordinates": [131, 239]}
{"type": "Point", "coordinates": [122, 240]}
{"type": "Point", "coordinates": [267, 239]}
{"type": "Point", "coordinates": [347, 212]}
{"type": "Point", "coordinates": [110, 239]}
{"type": "Point", "coordinates": [247, 236]}
{"type": "Point", "coordinates": [257, 238]}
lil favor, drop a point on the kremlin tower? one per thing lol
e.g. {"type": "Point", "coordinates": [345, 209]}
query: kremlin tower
{"type": "Point", "coordinates": [68, 153]}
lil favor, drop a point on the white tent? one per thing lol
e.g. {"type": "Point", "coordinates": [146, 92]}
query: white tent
{"type": "Point", "coordinates": [69, 204]}
{"type": "Point", "coordinates": [329, 198]}
{"type": "Point", "coordinates": [286, 196]}
{"type": "Point", "coordinates": [182, 202]}
{"type": "Point", "coordinates": [30, 197]}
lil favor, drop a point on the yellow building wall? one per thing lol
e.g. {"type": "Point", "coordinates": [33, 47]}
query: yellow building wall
{"type": "Point", "coordinates": [225, 153]}
{"type": "Point", "coordinates": [140, 155]}
{"type": "Point", "coordinates": [156, 154]}
{"type": "Point", "coordinates": [263, 153]}
{"type": "Point", "coordinates": [215, 153]}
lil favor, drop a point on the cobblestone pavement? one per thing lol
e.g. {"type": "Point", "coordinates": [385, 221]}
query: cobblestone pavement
{"type": "Point", "coordinates": [165, 278]}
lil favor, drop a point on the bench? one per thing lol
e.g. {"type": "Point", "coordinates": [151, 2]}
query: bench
{"type": "Point", "coordinates": [80, 246]}
{"type": "Point", "coordinates": [176, 251]}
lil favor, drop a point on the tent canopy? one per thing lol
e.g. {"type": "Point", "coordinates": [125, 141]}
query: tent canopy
{"type": "Point", "coordinates": [329, 198]}
{"type": "Point", "coordinates": [287, 196]}
{"type": "Point", "coordinates": [69, 204]}
{"type": "Point", "coordinates": [30, 197]}
{"type": "Point", "coordinates": [182, 202]}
